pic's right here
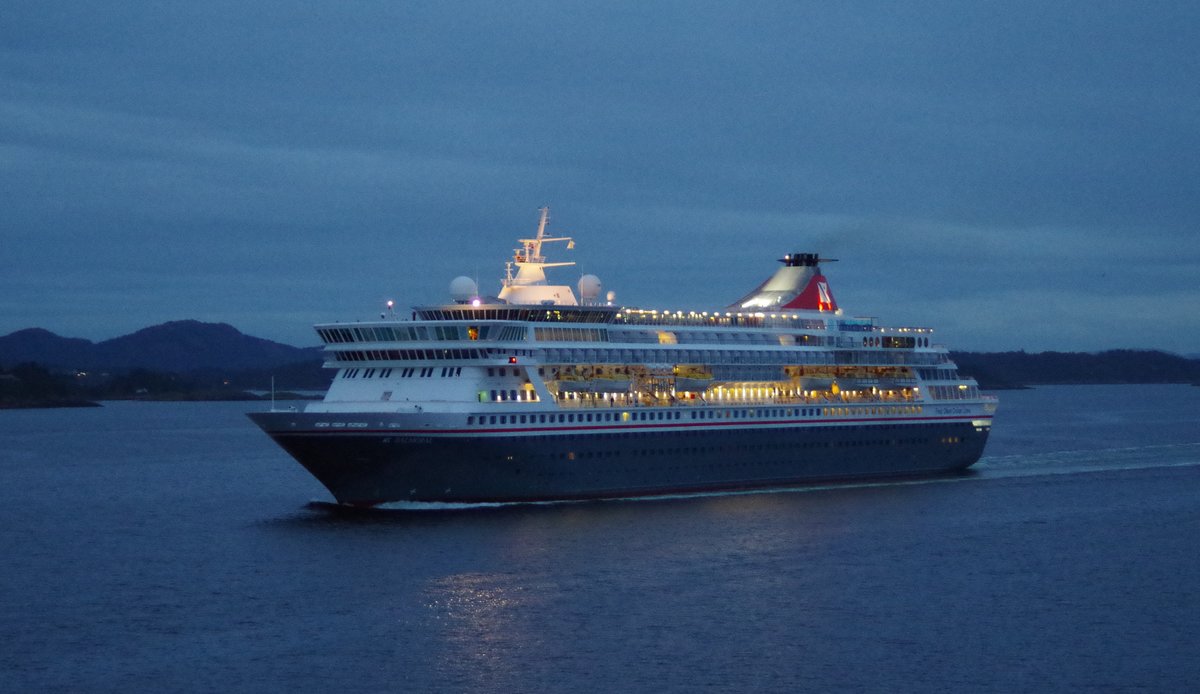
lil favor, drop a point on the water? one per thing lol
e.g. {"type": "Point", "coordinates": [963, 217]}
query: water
{"type": "Point", "coordinates": [172, 547]}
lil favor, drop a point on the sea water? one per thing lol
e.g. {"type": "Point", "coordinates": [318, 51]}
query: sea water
{"type": "Point", "coordinates": [174, 547]}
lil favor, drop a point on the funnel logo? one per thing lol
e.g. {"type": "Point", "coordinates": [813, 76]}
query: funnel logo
{"type": "Point", "coordinates": [824, 301]}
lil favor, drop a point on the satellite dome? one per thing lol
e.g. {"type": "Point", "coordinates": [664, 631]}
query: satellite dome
{"type": "Point", "coordinates": [463, 289]}
{"type": "Point", "coordinates": [589, 287]}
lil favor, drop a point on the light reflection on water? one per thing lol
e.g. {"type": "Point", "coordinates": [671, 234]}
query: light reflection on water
{"type": "Point", "coordinates": [475, 618]}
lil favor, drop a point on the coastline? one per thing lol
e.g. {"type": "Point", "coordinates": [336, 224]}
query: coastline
{"type": "Point", "coordinates": [46, 404]}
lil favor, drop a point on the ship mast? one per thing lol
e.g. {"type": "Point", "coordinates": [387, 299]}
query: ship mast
{"type": "Point", "coordinates": [528, 259]}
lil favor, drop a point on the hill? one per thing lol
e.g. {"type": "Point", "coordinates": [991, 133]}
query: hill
{"type": "Point", "coordinates": [179, 346]}
{"type": "Point", "coordinates": [180, 360]}
{"type": "Point", "coordinates": [44, 347]}
{"type": "Point", "coordinates": [1016, 369]}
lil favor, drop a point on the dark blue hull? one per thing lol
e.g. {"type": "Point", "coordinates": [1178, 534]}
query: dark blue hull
{"type": "Point", "coordinates": [370, 467]}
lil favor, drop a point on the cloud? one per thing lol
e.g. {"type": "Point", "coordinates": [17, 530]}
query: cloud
{"type": "Point", "coordinates": [379, 149]}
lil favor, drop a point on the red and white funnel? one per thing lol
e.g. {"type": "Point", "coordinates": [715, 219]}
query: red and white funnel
{"type": "Point", "coordinates": [798, 285]}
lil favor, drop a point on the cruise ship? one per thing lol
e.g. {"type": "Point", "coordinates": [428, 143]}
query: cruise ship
{"type": "Point", "coordinates": [541, 394]}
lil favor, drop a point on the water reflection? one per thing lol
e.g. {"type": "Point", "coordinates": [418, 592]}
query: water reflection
{"type": "Point", "coordinates": [479, 624]}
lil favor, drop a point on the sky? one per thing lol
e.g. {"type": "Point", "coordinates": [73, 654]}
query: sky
{"type": "Point", "coordinates": [1017, 175]}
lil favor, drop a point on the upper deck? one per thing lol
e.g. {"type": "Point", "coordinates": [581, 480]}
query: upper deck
{"type": "Point", "coordinates": [524, 314]}
{"type": "Point", "coordinates": [623, 324]}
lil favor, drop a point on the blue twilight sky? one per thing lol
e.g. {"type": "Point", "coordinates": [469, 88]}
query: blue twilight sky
{"type": "Point", "coordinates": [1019, 175]}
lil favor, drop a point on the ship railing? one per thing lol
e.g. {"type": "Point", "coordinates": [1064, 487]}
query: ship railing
{"type": "Point", "coordinates": [632, 316]}
{"type": "Point", "coordinates": [621, 400]}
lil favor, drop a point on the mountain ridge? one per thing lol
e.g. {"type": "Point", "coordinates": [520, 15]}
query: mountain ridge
{"type": "Point", "coordinates": [175, 346]}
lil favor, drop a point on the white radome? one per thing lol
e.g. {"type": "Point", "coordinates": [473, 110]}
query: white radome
{"type": "Point", "coordinates": [463, 289]}
{"type": "Point", "coordinates": [589, 287]}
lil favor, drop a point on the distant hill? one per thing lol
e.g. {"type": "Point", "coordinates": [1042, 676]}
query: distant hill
{"type": "Point", "coordinates": [1015, 369]}
{"type": "Point", "coordinates": [181, 360]}
{"type": "Point", "coordinates": [44, 347]}
{"type": "Point", "coordinates": [178, 347]}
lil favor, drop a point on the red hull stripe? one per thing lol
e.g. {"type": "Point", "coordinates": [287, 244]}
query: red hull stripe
{"type": "Point", "coordinates": [630, 427]}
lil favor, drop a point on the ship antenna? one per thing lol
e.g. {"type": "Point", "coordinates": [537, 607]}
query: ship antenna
{"type": "Point", "coordinates": [528, 259]}
{"type": "Point", "coordinates": [542, 229]}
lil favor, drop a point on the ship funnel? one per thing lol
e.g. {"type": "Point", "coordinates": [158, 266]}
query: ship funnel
{"type": "Point", "coordinates": [798, 285]}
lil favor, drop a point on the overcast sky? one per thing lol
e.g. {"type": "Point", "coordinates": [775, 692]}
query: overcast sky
{"type": "Point", "coordinates": [1018, 175]}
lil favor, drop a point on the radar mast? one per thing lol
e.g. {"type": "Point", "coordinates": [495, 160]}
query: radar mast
{"type": "Point", "coordinates": [528, 285]}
